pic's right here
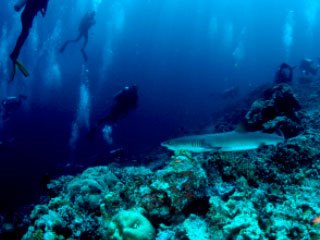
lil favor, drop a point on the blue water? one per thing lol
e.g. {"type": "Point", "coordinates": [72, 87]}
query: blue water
{"type": "Point", "coordinates": [180, 53]}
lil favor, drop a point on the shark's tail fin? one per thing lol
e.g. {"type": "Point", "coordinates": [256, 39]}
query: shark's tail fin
{"type": "Point", "coordinates": [243, 127]}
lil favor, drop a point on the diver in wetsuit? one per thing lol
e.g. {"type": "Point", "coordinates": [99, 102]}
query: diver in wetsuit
{"type": "Point", "coordinates": [31, 8]}
{"type": "Point", "coordinates": [308, 67]}
{"type": "Point", "coordinates": [86, 23]}
{"type": "Point", "coordinates": [11, 104]}
{"type": "Point", "coordinates": [125, 101]}
{"type": "Point", "coordinates": [284, 74]}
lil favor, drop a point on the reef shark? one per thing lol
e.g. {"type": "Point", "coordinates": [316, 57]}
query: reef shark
{"type": "Point", "coordinates": [225, 142]}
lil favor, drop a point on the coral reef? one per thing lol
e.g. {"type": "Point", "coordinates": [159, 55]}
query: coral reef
{"type": "Point", "coordinates": [271, 193]}
{"type": "Point", "coordinates": [130, 225]}
{"type": "Point", "coordinates": [277, 109]}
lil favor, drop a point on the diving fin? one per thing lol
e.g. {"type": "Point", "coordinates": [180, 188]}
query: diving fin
{"type": "Point", "coordinates": [22, 68]}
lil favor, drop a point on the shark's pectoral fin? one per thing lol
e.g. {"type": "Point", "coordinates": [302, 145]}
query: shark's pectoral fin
{"type": "Point", "coordinates": [262, 145]}
{"type": "Point", "coordinates": [241, 128]}
{"type": "Point", "coordinates": [207, 147]}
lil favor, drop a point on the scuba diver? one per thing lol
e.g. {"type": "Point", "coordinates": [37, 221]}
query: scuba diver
{"type": "Point", "coordinates": [125, 101]}
{"type": "Point", "coordinates": [11, 104]}
{"type": "Point", "coordinates": [308, 67]}
{"type": "Point", "coordinates": [31, 8]}
{"type": "Point", "coordinates": [86, 23]}
{"type": "Point", "coordinates": [284, 74]}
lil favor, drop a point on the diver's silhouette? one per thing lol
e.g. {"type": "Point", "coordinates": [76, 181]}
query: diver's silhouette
{"type": "Point", "coordinates": [86, 23]}
{"type": "Point", "coordinates": [11, 104]}
{"type": "Point", "coordinates": [31, 8]}
{"type": "Point", "coordinates": [284, 74]}
{"type": "Point", "coordinates": [125, 101]}
{"type": "Point", "coordinates": [309, 67]}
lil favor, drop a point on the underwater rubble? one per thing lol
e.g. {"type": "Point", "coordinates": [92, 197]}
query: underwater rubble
{"type": "Point", "coordinates": [271, 193]}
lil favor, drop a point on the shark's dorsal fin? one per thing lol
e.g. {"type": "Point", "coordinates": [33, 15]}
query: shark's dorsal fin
{"type": "Point", "coordinates": [241, 128]}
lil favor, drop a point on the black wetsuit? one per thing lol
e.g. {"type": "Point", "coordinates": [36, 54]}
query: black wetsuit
{"type": "Point", "coordinates": [284, 74]}
{"type": "Point", "coordinates": [11, 104]}
{"type": "Point", "coordinates": [125, 101]}
{"type": "Point", "coordinates": [86, 23]}
{"type": "Point", "coordinates": [308, 67]}
{"type": "Point", "coordinates": [30, 10]}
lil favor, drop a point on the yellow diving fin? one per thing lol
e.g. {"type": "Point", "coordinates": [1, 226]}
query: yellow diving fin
{"type": "Point", "coordinates": [22, 68]}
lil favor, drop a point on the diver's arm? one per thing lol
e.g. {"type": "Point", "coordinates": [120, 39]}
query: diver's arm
{"type": "Point", "coordinates": [119, 95]}
{"type": "Point", "coordinates": [19, 5]}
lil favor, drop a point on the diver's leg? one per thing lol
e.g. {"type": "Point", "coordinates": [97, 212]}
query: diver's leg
{"type": "Point", "coordinates": [26, 25]}
{"type": "Point", "coordinates": [66, 43]}
{"type": "Point", "coordinates": [85, 36]}
{"type": "Point", "coordinates": [26, 20]}
{"type": "Point", "coordinates": [64, 46]}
